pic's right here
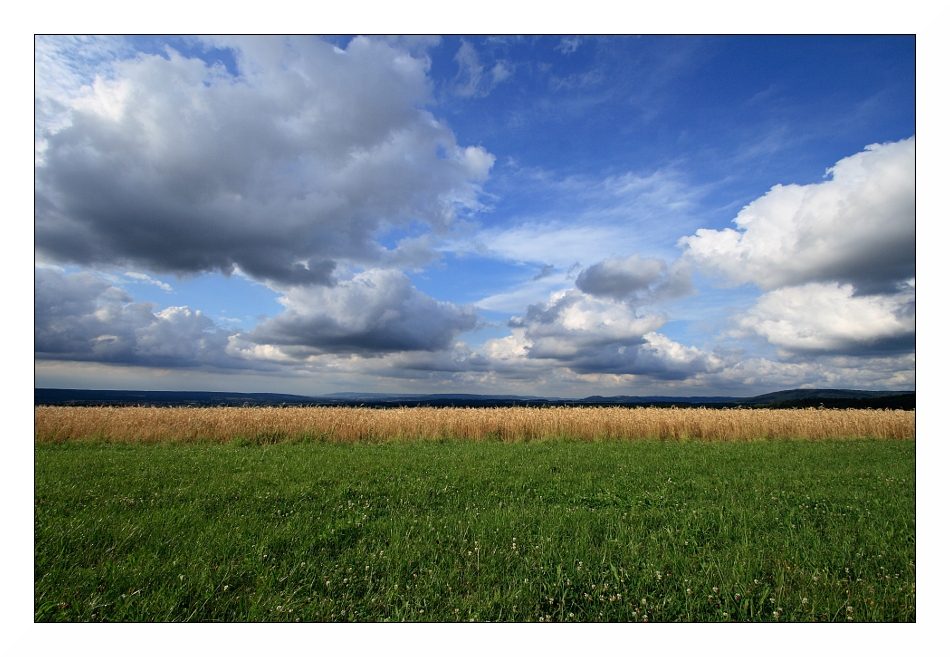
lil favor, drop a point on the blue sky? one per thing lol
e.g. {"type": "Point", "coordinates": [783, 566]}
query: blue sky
{"type": "Point", "coordinates": [549, 215]}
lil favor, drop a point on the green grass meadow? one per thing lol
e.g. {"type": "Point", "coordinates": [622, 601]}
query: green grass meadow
{"type": "Point", "coordinates": [483, 531]}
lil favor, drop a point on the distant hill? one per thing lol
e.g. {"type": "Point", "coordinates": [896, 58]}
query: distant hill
{"type": "Point", "coordinates": [800, 398]}
{"type": "Point", "coordinates": [835, 398]}
{"type": "Point", "coordinates": [626, 399]}
{"type": "Point", "coordinates": [823, 393]}
{"type": "Point", "coordinates": [378, 396]}
{"type": "Point", "coordinates": [60, 397]}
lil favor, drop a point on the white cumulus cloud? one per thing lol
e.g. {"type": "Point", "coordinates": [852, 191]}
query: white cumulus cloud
{"type": "Point", "coordinates": [830, 317]}
{"type": "Point", "coordinates": [858, 228]}
{"type": "Point", "coordinates": [591, 335]}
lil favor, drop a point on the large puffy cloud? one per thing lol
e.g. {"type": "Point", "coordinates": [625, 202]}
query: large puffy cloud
{"type": "Point", "coordinates": [82, 317]}
{"type": "Point", "coordinates": [856, 228]}
{"type": "Point", "coordinates": [298, 162]}
{"type": "Point", "coordinates": [574, 325]}
{"type": "Point", "coordinates": [591, 335]}
{"type": "Point", "coordinates": [375, 312]}
{"type": "Point", "coordinates": [830, 318]}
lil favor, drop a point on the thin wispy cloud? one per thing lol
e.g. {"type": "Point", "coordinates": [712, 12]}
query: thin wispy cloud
{"type": "Point", "coordinates": [139, 277]}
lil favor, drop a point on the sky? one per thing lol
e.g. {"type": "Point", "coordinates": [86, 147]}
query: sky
{"type": "Point", "coordinates": [552, 216]}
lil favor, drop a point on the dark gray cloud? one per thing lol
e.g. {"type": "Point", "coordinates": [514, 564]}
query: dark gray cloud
{"type": "Point", "coordinates": [82, 317]}
{"type": "Point", "coordinates": [375, 312]}
{"type": "Point", "coordinates": [655, 357]}
{"type": "Point", "coordinates": [619, 278]}
{"type": "Point", "coordinates": [546, 271]}
{"type": "Point", "coordinates": [296, 165]}
{"type": "Point", "coordinates": [636, 279]}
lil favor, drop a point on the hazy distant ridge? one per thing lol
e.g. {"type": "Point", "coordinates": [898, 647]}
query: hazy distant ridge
{"type": "Point", "coordinates": [831, 398]}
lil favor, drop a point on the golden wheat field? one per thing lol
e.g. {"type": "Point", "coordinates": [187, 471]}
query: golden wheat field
{"type": "Point", "coordinates": [346, 425]}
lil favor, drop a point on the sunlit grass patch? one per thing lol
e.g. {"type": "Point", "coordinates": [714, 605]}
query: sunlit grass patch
{"type": "Point", "coordinates": [464, 530]}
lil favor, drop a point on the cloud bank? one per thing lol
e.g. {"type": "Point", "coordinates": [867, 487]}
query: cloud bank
{"type": "Point", "coordinates": [82, 317]}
